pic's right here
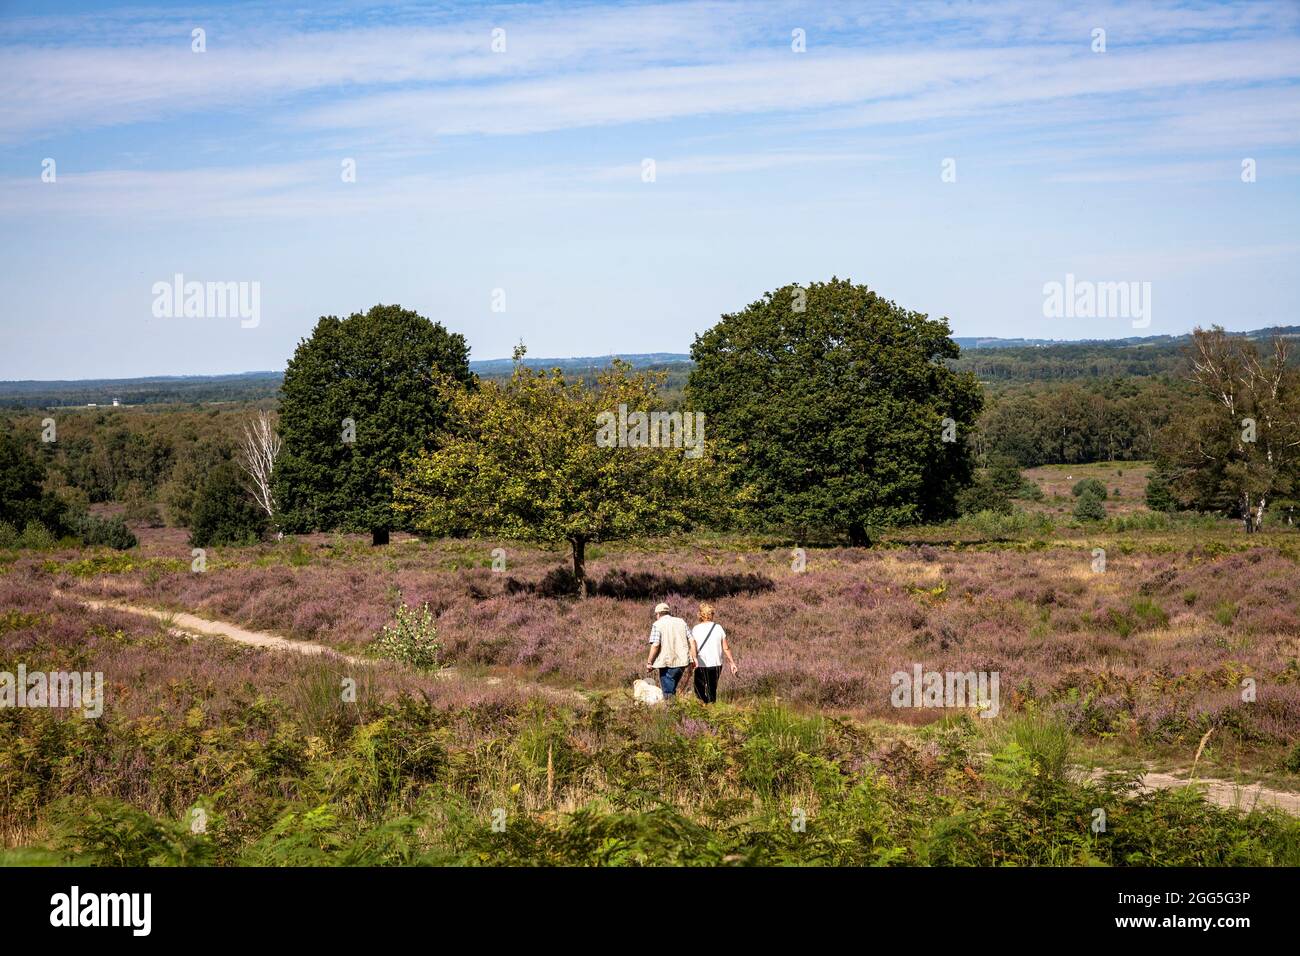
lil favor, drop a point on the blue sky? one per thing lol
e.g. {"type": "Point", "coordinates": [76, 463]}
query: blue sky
{"type": "Point", "coordinates": [521, 170]}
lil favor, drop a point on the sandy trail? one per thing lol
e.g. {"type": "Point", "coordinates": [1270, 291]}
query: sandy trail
{"type": "Point", "coordinates": [198, 625]}
{"type": "Point", "coordinates": [1225, 793]}
{"type": "Point", "coordinates": [179, 621]}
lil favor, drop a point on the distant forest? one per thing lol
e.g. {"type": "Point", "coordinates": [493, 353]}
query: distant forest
{"type": "Point", "coordinates": [995, 362]}
{"type": "Point", "coordinates": [1058, 403]}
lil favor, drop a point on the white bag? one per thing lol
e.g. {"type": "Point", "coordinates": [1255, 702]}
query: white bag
{"type": "Point", "coordinates": [646, 692]}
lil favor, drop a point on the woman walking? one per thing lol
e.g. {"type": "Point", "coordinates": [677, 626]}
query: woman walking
{"type": "Point", "coordinates": [708, 647]}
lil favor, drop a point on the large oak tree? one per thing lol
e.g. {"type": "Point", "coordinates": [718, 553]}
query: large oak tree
{"type": "Point", "coordinates": [835, 401]}
{"type": "Point", "coordinates": [359, 395]}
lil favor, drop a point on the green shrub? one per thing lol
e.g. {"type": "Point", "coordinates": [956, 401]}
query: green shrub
{"type": "Point", "coordinates": [224, 512]}
{"type": "Point", "coordinates": [1089, 508]}
{"type": "Point", "coordinates": [982, 495]}
{"type": "Point", "coordinates": [1029, 491]}
{"type": "Point", "coordinates": [1225, 612]}
{"type": "Point", "coordinates": [1089, 486]}
{"type": "Point", "coordinates": [992, 524]}
{"type": "Point", "coordinates": [109, 532]}
{"type": "Point", "coordinates": [1148, 613]}
{"type": "Point", "coordinates": [1159, 497]}
{"type": "Point", "coordinates": [1043, 741]}
{"type": "Point", "coordinates": [411, 639]}
{"type": "Point", "coordinates": [1292, 762]}
{"type": "Point", "coordinates": [1139, 521]}
{"type": "Point", "coordinates": [36, 536]}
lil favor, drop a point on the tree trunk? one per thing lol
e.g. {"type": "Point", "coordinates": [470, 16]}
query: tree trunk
{"type": "Point", "coordinates": [378, 536]}
{"type": "Point", "coordinates": [580, 564]}
{"type": "Point", "coordinates": [858, 536]}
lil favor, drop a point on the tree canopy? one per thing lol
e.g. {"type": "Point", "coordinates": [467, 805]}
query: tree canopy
{"type": "Point", "coordinates": [22, 495]}
{"type": "Point", "coordinates": [358, 395]}
{"type": "Point", "coordinates": [1237, 450]}
{"type": "Point", "coordinates": [527, 459]}
{"type": "Point", "coordinates": [835, 400]}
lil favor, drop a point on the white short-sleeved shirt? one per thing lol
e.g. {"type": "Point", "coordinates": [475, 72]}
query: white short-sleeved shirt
{"type": "Point", "coordinates": [710, 654]}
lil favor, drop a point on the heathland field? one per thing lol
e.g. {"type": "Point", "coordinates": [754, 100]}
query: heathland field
{"type": "Point", "coordinates": [1143, 643]}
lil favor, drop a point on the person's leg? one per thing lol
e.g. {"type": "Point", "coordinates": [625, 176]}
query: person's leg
{"type": "Point", "coordinates": [668, 678]}
{"type": "Point", "coordinates": [712, 683]}
{"type": "Point", "coordinates": [701, 682]}
{"type": "Point", "coordinates": [677, 678]}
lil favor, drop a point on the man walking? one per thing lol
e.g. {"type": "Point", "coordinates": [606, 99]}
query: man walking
{"type": "Point", "coordinates": [669, 649]}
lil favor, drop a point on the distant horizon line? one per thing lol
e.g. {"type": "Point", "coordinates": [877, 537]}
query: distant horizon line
{"type": "Point", "coordinates": [1012, 342]}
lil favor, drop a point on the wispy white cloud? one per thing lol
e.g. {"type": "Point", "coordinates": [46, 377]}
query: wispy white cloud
{"type": "Point", "coordinates": [567, 67]}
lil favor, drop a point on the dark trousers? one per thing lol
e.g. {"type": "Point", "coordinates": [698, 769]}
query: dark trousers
{"type": "Point", "coordinates": [706, 683]}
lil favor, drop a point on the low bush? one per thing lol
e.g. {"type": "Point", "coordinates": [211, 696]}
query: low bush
{"type": "Point", "coordinates": [1086, 486]}
{"type": "Point", "coordinates": [405, 783]}
{"type": "Point", "coordinates": [108, 532]}
{"type": "Point", "coordinates": [994, 524]}
{"type": "Point", "coordinates": [34, 536]}
{"type": "Point", "coordinates": [983, 495]}
{"type": "Point", "coordinates": [224, 512]}
{"type": "Point", "coordinates": [411, 639]}
{"type": "Point", "coordinates": [1090, 508]}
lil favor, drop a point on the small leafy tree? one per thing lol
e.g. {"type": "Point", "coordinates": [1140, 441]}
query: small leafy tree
{"type": "Point", "coordinates": [193, 465]}
{"type": "Point", "coordinates": [525, 463]}
{"type": "Point", "coordinates": [1237, 449]}
{"type": "Point", "coordinates": [22, 495]}
{"type": "Point", "coordinates": [259, 446]}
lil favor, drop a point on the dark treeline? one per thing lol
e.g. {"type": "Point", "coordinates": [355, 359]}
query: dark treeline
{"type": "Point", "coordinates": [139, 456]}
{"type": "Point", "coordinates": [1057, 363]}
{"type": "Point", "coordinates": [1070, 423]}
{"type": "Point", "coordinates": [158, 453]}
{"type": "Point", "coordinates": [1050, 404]}
{"type": "Point", "coordinates": [1164, 356]}
{"type": "Point", "coordinates": [240, 387]}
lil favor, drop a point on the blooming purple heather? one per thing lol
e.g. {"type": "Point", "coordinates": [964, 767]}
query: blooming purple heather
{"type": "Point", "coordinates": [1163, 639]}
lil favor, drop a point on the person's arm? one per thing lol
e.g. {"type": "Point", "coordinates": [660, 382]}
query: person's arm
{"type": "Point", "coordinates": [726, 649]}
{"type": "Point", "coordinates": [695, 652]}
{"type": "Point", "coordinates": [654, 649]}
